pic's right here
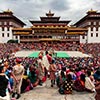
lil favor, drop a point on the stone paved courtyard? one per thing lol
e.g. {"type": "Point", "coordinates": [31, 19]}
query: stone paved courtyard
{"type": "Point", "coordinates": [45, 92]}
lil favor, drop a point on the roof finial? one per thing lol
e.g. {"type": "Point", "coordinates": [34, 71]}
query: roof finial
{"type": "Point", "coordinates": [49, 11]}
{"type": "Point", "coordinates": [91, 11]}
{"type": "Point", "coordinates": [8, 11]}
{"type": "Point", "coordinates": [49, 14]}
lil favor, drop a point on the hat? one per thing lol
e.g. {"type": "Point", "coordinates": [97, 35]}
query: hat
{"type": "Point", "coordinates": [49, 58]}
{"type": "Point", "coordinates": [98, 78]}
{"type": "Point", "coordinates": [18, 60]}
{"type": "Point", "coordinates": [53, 61]}
{"type": "Point", "coordinates": [40, 56]}
{"type": "Point", "coordinates": [1, 68]}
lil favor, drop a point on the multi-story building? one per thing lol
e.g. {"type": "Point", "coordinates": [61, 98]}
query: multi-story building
{"type": "Point", "coordinates": [7, 22]}
{"type": "Point", "coordinates": [92, 22]}
{"type": "Point", "coordinates": [49, 28]}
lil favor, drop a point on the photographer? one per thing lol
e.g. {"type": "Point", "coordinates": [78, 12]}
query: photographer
{"type": "Point", "coordinates": [4, 95]}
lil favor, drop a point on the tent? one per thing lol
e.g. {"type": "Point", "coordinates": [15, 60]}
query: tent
{"type": "Point", "coordinates": [34, 54]}
{"type": "Point", "coordinates": [56, 54]}
{"type": "Point", "coordinates": [59, 54]}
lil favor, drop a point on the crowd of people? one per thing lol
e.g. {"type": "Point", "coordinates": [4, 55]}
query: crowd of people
{"type": "Point", "coordinates": [92, 48]}
{"type": "Point", "coordinates": [7, 49]}
{"type": "Point", "coordinates": [23, 74]}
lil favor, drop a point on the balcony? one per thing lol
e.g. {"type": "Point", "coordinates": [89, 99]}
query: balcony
{"type": "Point", "coordinates": [48, 39]}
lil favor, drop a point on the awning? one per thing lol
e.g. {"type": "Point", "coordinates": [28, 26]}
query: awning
{"type": "Point", "coordinates": [59, 54]}
{"type": "Point", "coordinates": [34, 54]}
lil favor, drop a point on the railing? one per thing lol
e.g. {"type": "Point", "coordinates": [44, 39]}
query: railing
{"type": "Point", "coordinates": [48, 39]}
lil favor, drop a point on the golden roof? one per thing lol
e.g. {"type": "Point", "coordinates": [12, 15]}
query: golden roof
{"type": "Point", "coordinates": [21, 33]}
{"type": "Point", "coordinates": [20, 29]}
{"type": "Point", "coordinates": [77, 29]}
{"type": "Point", "coordinates": [49, 14]}
{"type": "Point", "coordinates": [8, 11]}
{"type": "Point", "coordinates": [48, 39]}
{"type": "Point", "coordinates": [61, 27]}
{"type": "Point", "coordinates": [91, 11]}
{"type": "Point", "coordinates": [75, 33]}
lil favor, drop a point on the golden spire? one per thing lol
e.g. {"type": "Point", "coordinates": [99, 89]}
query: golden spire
{"type": "Point", "coordinates": [49, 11]}
{"type": "Point", "coordinates": [8, 11]}
{"type": "Point", "coordinates": [91, 11]}
{"type": "Point", "coordinates": [49, 14]}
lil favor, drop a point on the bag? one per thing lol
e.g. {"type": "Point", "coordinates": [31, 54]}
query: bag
{"type": "Point", "coordinates": [67, 92]}
{"type": "Point", "coordinates": [44, 79]}
{"type": "Point", "coordinates": [61, 90]}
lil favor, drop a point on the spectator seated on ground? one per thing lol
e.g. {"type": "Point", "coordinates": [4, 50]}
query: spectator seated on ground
{"type": "Point", "coordinates": [97, 74]}
{"type": "Point", "coordinates": [61, 76]}
{"type": "Point", "coordinates": [97, 88]}
{"type": "Point", "coordinates": [33, 76]}
{"type": "Point", "coordinates": [26, 84]}
{"type": "Point", "coordinates": [89, 84]}
{"type": "Point", "coordinates": [79, 83]}
{"type": "Point", "coordinates": [66, 87]}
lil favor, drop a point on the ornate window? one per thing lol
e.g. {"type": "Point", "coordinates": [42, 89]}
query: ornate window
{"type": "Point", "coordinates": [7, 28]}
{"type": "Point", "coordinates": [83, 37]}
{"type": "Point", "coordinates": [5, 23]}
{"type": "Point", "coordinates": [7, 34]}
{"type": "Point", "coordinates": [94, 23]}
{"type": "Point", "coordinates": [91, 34]}
{"type": "Point", "coordinates": [2, 34]}
{"type": "Point", "coordinates": [89, 23]}
{"type": "Point", "coordinates": [96, 28]}
{"type": "Point", "coordinates": [96, 34]}
{"type": "Point", "coordinates": [0, 23]}
{"type": "Point", "coordinates": [2, 28]}
{"type": "Point", "coordinates": [16, 37]}
{"type": "Point", "coordinates": [91, 28]}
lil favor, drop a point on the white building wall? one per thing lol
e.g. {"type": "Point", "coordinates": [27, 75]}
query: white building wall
{"type": "Point", "coordinates": [89, 35]}
{"type": "Point", "coordinates": [13, 37]}
{"type": "Point", "coordinates": [18, 38]}
{"type": "Point", "coordinates": [93, 39]}
{"type": "Point", "coordinates": [83, 40]}
{"type": "Point", "coordinates": [5, 38]}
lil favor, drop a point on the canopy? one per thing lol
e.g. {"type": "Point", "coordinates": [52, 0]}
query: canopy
{"type": "Point", "coordinates": [59, 54]}
{"type": "Point", "coordinates": [34, 54]}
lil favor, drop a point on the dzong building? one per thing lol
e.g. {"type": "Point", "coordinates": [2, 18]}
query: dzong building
{"type": "Point", "coordinates": [49, 29]}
